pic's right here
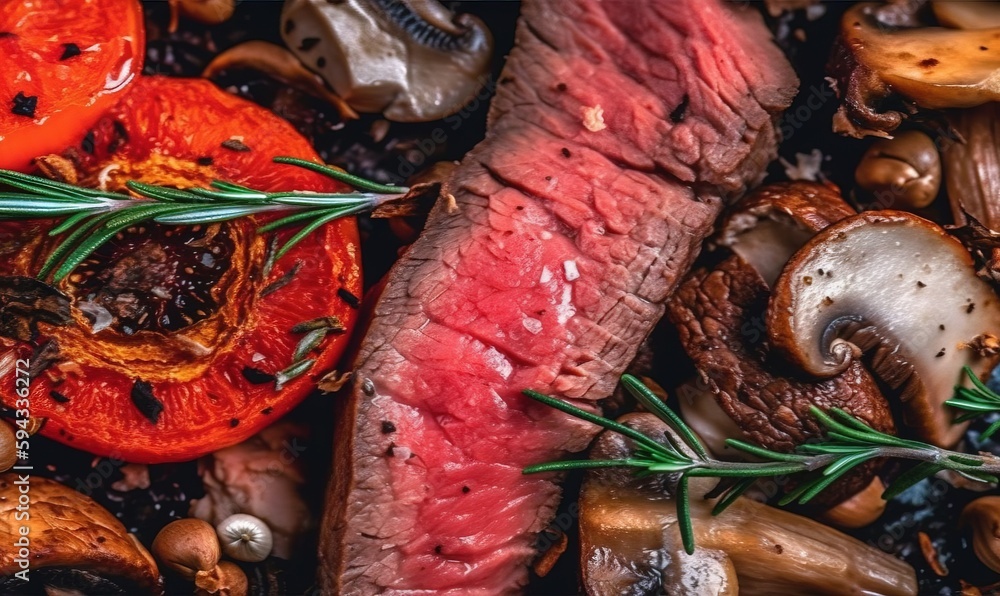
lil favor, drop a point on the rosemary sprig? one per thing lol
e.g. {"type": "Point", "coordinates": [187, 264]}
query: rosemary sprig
{"type": "Point", "coordinates": [848, 443]}
{"type": "Point", "coordinates": [92, 217]}
{"type": "Point", "coordinates": [976, 401]}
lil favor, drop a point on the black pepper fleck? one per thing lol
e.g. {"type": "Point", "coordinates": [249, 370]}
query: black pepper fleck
{"type": "Point", "coordinates": [941, 326]}
{"type": "Point", "coordinates": [466, 489]}
{"type": "Point", "coordinates": [983, 48]}
{"type": "Point", "coordinates": [233, 423]}
{"type": "Point", "coordinates": [970, 308]}
{"type": "Point", "coordinates": [391, 451]}
{"type": "Point", "coordinates": [308, 43]}
{"type": "Point", "coordinates": [58, 397]}
{"type": "Point", "coordinates": [205, 161]}
{"type": "Point", "coordinates": [24, 105]}
{"type": "Point", "coordinates": [388, 427]}
{"type": "Point", "coordinates": [921, 284]}
{"type": "Point", "coordinates": [562, 87]}
{"type": "Point", "coordinates": [437, 549]}
{"type": "Point", "coordinates": [267, 411]}
{"type": "Point", "coordinates": [144, 400]}
{"type": "Point", "coordinates": [289, 26]}
{"type": "Point", "coordinates": [321, 62]}
{"type": "Point", "coordinates": [680, 112]}
{"type": "Point", "coordinates": [565, 152]}
{"type": "Point", "coordinates": [256, 376]}
{"type": "Point", "coordinates": [939, 354]}
{"type": "Point", "coordinates": [351, 300]}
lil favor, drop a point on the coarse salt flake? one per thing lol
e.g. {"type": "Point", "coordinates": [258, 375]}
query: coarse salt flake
{"type": "Point", "coordinates": [569, 268]}
{"type": "Point", "coordinates": [593, 118]}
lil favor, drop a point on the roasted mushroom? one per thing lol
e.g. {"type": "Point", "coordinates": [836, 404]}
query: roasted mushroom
{"type": "Point", "coordinates": [412, 60]}
{"type": "Point", "coordinates": [883, 53]}
{"type": "Point", "coordinates": [8, 440]}
{"type": "Point", "coordinates": [280, 63]}
{"type": "Point", "coordinates": [903, 172]}
{"type": "Point", "coordinates": [983, 517]}
{"type": "Point", "coordinates": [899, 288]}
{"type": "Point", "coordinates": [630, 543]}
{"type": "Point", "coordinates": [719, 315]}
{"type": "Point", "coordinates": [70, 543]}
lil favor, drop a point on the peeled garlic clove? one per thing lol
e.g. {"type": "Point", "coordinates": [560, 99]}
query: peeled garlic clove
{"type": "Point", "coordinates": [245, 538]}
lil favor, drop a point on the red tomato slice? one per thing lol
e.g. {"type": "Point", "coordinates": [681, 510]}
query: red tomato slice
{"type": "Point", "coordinates": [64, 63]}
{"type": "Point", "coordinates": [198, 329]}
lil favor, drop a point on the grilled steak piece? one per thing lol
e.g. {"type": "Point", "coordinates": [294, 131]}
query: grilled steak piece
{"type": "Point", "coordinates": [618, 130]}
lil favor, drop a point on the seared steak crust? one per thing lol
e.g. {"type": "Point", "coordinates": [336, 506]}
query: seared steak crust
{"type": "Point", "coordinates": [618, 130]}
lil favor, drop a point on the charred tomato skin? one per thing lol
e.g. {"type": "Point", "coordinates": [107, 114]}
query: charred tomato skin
{"type": "Point", "coordinates": [164, 395]}
{"type": "Point", "coordinates": [68, 61]}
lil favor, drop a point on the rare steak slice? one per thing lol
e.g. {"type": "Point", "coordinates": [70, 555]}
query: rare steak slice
{"type": "Point", "coordinates": [618, 130]}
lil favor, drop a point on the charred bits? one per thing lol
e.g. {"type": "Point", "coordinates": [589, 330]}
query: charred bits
{"type": "Point", "coordinates": [145, 401]}
{"type": "Point", "coordinates": [24, 105]}
{"type": "Point", "coordinates": [351, 300]}
{"type": "Point", "coordinates": [256, 376]}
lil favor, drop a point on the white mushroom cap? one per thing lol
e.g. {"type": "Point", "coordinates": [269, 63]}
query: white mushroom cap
{"type": "Point", "coordinates": [899, 287]}
{"type": "Point", "coordinates": [413, 61]}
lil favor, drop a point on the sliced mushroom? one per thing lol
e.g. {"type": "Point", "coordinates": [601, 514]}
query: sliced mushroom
{"type": "Point", "coordinates": [280, 63]}
{"type": "Point", "coordinates": [719, 315]}
{"type": "Point", "coordinates": [72, 543]}
{"type": "Point", "coordinates": [769, 225]}
{"type": "Point", "coordinates": [900, 288]}
{"type": "Point", "coordinates": [412, 60]}
{"type": "Point", "coordinates": [707, 419]}
{"type": "Point", "coordinates": [630, 542]}
{"type": "Point", "coordinates": [875, 59]}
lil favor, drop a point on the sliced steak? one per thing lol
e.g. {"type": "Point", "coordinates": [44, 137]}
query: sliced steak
{"type": "Point", "coordinates": [618, 130]}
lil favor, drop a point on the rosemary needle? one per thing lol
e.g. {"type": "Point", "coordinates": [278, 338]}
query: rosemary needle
{"type": "Point", "coordinates": [92, 217]}
{"type": "Point", "coordinates": [847, 444]}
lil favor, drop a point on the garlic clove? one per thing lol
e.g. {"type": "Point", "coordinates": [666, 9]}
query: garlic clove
{"type": "Point", "coordinates": [187, 546]}
{"type": "Point", "coordinates": [245, 538]}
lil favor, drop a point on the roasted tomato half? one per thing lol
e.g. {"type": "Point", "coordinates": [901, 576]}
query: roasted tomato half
{"type": "Point", "coordinates": [174, 335]}
{"type": "Point", "coordinates": [64, 63]}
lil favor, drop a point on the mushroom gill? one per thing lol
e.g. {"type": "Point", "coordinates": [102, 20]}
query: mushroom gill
{"type": "Point", "coordinates": [900, 289]}
{"type": "Point", "coordinates": [412, 60]}
{"type": "Point", "coordinates": [719, 315]}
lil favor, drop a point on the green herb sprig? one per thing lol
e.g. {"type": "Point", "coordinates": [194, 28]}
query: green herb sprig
{"type": "Point", "coordinates": [848, 442]}
{"type": "Point", "coordinates": [976, 401]}
{"type": "Point", "coordinates": [92, 217]}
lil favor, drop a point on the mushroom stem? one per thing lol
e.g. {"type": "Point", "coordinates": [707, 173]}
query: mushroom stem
{"type": "Point", "coordinates": [631, 543]}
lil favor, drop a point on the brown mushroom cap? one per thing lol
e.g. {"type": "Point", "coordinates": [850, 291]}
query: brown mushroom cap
{"type": "Point", "coordinates": [719, 316]}
{"type": "Point", "coordinates": [895, 285]}
{"type": "Point", "coordinates": [770, 224]}
{"type": "Point", "coordinates": [630, 543]}
{"type": "Point", "coordinates": [71, 534]}
{"type": "Point", "coordinates": [413, 61]}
